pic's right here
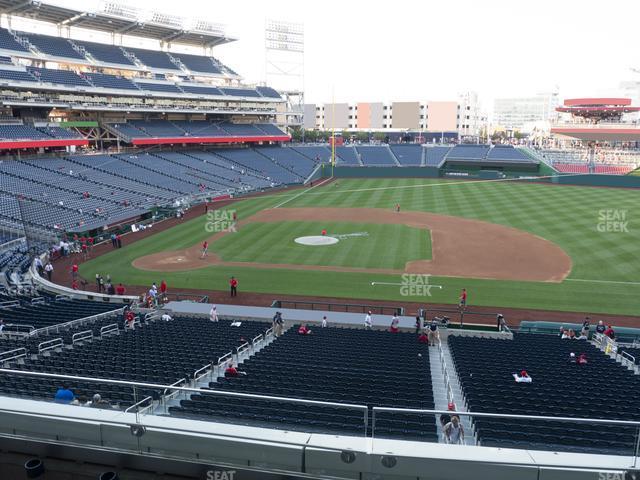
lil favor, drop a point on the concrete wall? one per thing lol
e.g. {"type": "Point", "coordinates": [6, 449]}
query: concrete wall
{"type": "Point", "coordinates": [309, 111]}
{"type": "Point", "coordinates": [441, 116]}
{"type": "Point", "coordinates": [406, 115]}
{"type": "Point", "coordinates": [341, 112]}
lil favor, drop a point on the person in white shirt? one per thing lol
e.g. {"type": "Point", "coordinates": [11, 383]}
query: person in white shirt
{"type": "Point", "coordinates": [368, 321]}
{"type": "Point", "coordinates": [48, 268]}
{"type": "Point", "coordinates": [166, 317]}
{"type": "Point", "coordinates": [453, 431]}
{"type": "Point", "coordinates": [523, 377]}
{"type": "Point", "coordinates": [213, 313]}
{"type": "Point", "coordinates": [324, 322]}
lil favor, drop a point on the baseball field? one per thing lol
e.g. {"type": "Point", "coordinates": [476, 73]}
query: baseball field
{"type": "Point", "coordinates": [519, 245]}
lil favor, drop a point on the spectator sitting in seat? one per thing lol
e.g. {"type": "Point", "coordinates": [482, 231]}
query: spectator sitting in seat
{"type": "Point", "coordinates": [582, 359]}
{"type": "Point", "coordinates": [423, 338]}
{"type": "Point", "coordinates": [563, 333]}
{"type": "Point", "coordinates": [232, 371]}
{"type": "Point", "coordinates": [166, 317]}
{"type": "Point", "coordinates": [523, 377]}
{"type": "Point", "coordinates": [64, 395]}
{"type": "Point", "coordinates": [303, 330]}
{"type": "Point", "coordinates": [609, 332]}
{"type": "Point", "coordinates": [98, 402]}
{"type": "Point", "coordinates": [600, 328]}
{"type": "Point", "coordinates": [130, 318]}
{"type": "Point", "coordinates": [569, 334]}
{"type": "Point", "coordinates": [572, 357]}
{"type": "Point", "coordinates": [80, 400]}
{"type": "Point", "coordinates": [394, 324]}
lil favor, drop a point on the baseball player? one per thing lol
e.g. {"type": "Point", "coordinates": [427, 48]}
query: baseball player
{"type": "Point", "coordinates": [205, 249]}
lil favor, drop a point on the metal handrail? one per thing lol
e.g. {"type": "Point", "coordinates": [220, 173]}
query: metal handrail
{"type": "Point", "coordinates": [78, 337]}
{"type": "Point", "coordinates": [203, 370]}
{"type": "Point", "coordinates": [74, 323]}
{"type": "Point", "coordinates": [50, 344]}
{"type": "Point", "coordinates": [107, 329]}
{"type": "Point", "coordinates": [631, 358]}
{"type": "Point", "coordinates": [203, 391]}
{"type": "Point", "coordinates": [139, 403]}
{"type": "Point", "coordinates": [17, 355]}
{"type": "Point", "coordinates": [243, 348]}
{"type": "Point", "coordinates": [19, 326]}
{"type": "Point", "coordinates": [509, 416]}
{"type": "Point", "coordinates": [10, 304]}
{"type": "Point", "coordinates": [174, 384]}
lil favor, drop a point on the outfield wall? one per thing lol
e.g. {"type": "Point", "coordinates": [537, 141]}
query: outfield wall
{"type": "Point", "coordinates": [595, 180]}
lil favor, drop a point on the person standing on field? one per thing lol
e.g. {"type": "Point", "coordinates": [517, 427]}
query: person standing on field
{"type": "Point", "coordinates": [233, 284]}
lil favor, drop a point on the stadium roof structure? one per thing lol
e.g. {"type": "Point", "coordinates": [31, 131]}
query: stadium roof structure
{"type": "Point", "coordinates": [597, 108]}
{"type": "Point", "coordinates": [603, 120]}
{"type": "Point", "coordinates": [122, 19]}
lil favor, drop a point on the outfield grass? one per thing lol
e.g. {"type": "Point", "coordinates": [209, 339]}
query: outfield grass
{"type": "Point", "coordinates": [570, 216]}
{"type": "Point", "coordinates": [273, 242]}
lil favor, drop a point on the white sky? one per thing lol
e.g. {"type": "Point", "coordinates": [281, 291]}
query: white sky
{"type": "Point", "coordinates": [432, 50]}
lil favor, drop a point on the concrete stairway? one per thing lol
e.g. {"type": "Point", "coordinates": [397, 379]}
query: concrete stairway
{"type": "Point", "coordinates": [440, 390]}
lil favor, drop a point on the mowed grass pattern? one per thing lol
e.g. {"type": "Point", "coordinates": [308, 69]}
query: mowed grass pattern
{"type": "Point", "coordinates": [384, 246]}
{"type": "Point", "coordinates": [566, 215]}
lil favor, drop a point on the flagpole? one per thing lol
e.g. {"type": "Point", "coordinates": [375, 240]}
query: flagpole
{"type": "Point", "coordinates": [333, 129]}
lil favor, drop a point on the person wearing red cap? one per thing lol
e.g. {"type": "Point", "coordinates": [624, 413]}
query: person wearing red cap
{"type": "Point", "coordinates": [205, 249]}
{"type": "Point", "coordinates": [423, 338]}
{"type": "Point", "coordinates": [523, 377]}
{"type": "Point", "coordinates": [324, 232]}
{"type": "Point", "coordinates": [445, 417]}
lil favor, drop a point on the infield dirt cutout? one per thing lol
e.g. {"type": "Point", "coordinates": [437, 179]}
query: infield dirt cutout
{"type": "Point", "coordinates": [460, 247]}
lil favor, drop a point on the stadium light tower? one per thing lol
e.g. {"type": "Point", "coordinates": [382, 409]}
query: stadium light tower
{"type": "Point", "coordinates": [284, 67]}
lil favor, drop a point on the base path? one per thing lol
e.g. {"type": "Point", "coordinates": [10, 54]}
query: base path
{"type": "Point", "coordinates": [460, 247]}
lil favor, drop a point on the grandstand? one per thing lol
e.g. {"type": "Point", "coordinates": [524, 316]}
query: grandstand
{"type": "Point", "coordinates": [102, 140]}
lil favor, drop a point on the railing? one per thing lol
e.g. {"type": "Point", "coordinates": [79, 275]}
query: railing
{"type": "Point", "coordinates": [18, 328]}
{"type": "Point", "coordinates": [136, 406]}
{"type": "Point", "coordinates": [190, 390]}
{"type": "Point", "coordinates": [63, 297]}
{"type": "Point", "coordinates": [81, 336]}
{"type": "Point", "coordinates": [203, 372]}
{"type": "Point", "coordinates": [338, 307]}
{"type": "Point", "coordinates": [76, 322]}
{"type": "Point", "coordinates": [10, 304]}
{"type": "Point", "coordinates": [179, 297]}
{"type": "Point", "coordinates": [509, 416]}
{"type": "Point", "coordinates": [50, 345]}
{"type": "Point", "coordinates": [38, 301]}
{"type": "Point", "coordinates": [13, 354]}
{"type": "Point", "coordinates": [109, 329]}
{"type": "Point", "coordinates": [243, 348]}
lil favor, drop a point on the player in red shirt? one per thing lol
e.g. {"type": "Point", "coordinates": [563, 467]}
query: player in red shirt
{"type": "Point", "coordinates": [205, 249]}
{"type": "Point", "coordinates": [120, 290]}
{"type": "Point", "coordinates": [463, 298]}
{"type": "Point", "coordinates": [74, 271]}
{"type": "Point", "coordinates": [233, 284]}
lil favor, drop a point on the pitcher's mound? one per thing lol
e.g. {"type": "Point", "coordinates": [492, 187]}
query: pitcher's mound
{"type": "Point", "coordinates": [316, 240]}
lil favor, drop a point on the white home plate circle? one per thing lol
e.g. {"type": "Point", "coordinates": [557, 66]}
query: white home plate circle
{"type": "Point", "coordinates": [316, 240]}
